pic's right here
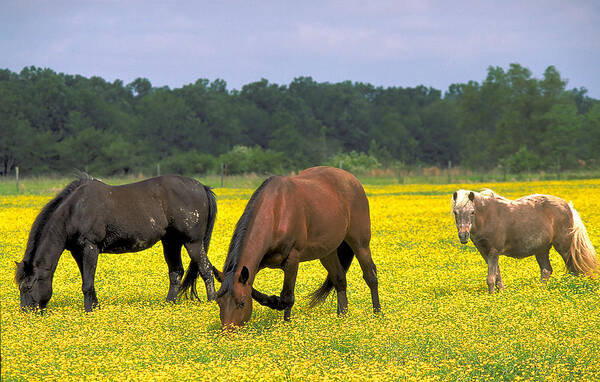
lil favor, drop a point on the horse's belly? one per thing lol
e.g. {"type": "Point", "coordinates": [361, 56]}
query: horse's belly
{"type": "Point", "coordinates": [528, 245]}
{"type": "Point", "coordinates": [127, 244]}
{"type": "Point", "coordinates": [314, 253]}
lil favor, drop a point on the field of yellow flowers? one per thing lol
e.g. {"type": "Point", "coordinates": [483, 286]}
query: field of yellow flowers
{"type": "Point", "coordinates": [438, 321]}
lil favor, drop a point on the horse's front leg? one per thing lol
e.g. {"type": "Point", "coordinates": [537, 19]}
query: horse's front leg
{"type": "Point", "coordinates": [493, 276]}
{"type": "Point", "coordinates": [89, 262]}
{"type": "Point", "coordinates": [499, 284]}
{"type": "Point", "coordinates": [290, 269]}
{"type": "Point", "coordinates": [273, 302]}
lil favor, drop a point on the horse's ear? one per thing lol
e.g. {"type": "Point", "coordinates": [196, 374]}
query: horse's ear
{"type": "Point", "coordinates": [244, 275]}
{"type": "Point", "coordinates": [471, 196]}
{"type": "Point", "coordinates": [454, 196]}
{"type": "Point", "coordinates": [218, 274]}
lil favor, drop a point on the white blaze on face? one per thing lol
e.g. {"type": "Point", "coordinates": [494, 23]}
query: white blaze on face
{"type": "Point", "coordinates": [463, 209]}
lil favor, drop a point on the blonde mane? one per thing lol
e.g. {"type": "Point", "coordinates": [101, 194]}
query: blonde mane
{"type": "Point", "coordinates": [462, 196]}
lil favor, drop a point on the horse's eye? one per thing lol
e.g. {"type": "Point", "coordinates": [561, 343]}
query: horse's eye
{"type": "Point", "coordinates": [241, 304]}
{"type": "Point", "coordinates": [472, 212]}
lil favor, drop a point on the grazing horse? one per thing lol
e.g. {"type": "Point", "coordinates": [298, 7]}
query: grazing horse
{"type": "Point", "coordinates": [322, 213]}
{"type": "Point", "coordinates": [89, 217]}
{"type": "Point", "coordinates": [520, 228]}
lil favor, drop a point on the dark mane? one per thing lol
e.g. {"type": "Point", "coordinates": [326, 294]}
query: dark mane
{"type": "Point", "coordinates": [25, 267]}
{"type": "Point", "coordinates": [237, 240]}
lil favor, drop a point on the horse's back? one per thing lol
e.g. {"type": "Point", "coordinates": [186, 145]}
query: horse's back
{"type": "Point", "coordinates": [334, 202]}
{"type": "Point", "coordinates": [323, 179]}
{"type": "Point", "coordinates": [547, 207]}
{"type": "Point", "coordinates": [182, 201]}
{"type": "Point", "coordinates": [531, 223]}
{"type": "Point", "coordinates": [135, 216]}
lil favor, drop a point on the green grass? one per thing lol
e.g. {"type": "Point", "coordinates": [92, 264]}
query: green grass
{"type": "Point", "coordinates": [48, 185]}
{"type": "Point", "coordinates": [438, 321]}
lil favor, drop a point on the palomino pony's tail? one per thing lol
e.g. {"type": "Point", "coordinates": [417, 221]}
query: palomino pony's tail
{"type": "Point", "coordinates": [345, 255]}
{"type": "Point", "coordinates": [582, 255]}
{"type": "Point", "coordinates": [189, 280]}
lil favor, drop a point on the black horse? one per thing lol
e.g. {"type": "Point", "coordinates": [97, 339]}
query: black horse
{"type": "Point", "coordinates": [89, 217]}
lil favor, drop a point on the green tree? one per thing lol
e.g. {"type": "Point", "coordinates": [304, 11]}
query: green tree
{"type": "Point", "coordinates": [557, 144]}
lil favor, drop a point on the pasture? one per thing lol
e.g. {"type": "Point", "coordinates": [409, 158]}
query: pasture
{"type": "Point", "coordinates": [438, 321]}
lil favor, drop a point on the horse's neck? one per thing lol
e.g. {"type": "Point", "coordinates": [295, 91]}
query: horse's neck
{"type": "Point", "coordinates": [487, 214]}
{"type": "Point", "coordinates": [257, 244]}
{"type": "Point", "coordinates": [50, 246]}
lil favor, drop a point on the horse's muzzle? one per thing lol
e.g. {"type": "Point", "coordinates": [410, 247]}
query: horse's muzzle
{"type": "Point", "coordinates": [27, 308]}
{"type": "Point", "coordinates": [463, 237]}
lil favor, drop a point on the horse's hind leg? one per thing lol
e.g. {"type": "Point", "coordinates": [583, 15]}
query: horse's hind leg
{"type": "Point", "coordinates": [363, 255]}
{"type": "Point", "coordinates": [198, 255]}
{"type": "Point", "coordinates": [562, 244]}
{"type": "Point", "coordinates": [337, 275]}
{"type": "Point", "coordinates": [543, 259]}
{"type": "Point", "coordinates": [172, 252]}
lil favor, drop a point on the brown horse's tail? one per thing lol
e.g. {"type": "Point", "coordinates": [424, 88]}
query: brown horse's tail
{"type": "Point", "coordinates": [189, 280]}
{"type": "Point", "coordinates": [345, 255]}
{"type": "Point", "coordinates": [582, 255]}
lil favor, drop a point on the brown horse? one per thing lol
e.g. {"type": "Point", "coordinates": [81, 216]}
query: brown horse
{"type": "Point", "coordinates": [322, 213]}
{"type": "Point", "coordinates": [520, 228]}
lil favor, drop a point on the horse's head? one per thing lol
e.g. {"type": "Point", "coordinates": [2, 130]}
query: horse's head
{"type": "Point", "coordinates": [235, 298]}
{"type": "Point", "coordinates": [463, 209]}
{"type": "Point", "coordinates": [34, 292]}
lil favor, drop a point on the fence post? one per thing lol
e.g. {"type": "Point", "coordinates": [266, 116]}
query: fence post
{"type": "Point", "coordinates": [449, 169]}
{"type": "Point", "coordinates": [158, 169]}
{"type": "Point", "coordinates": [340, 166]}
{"type": "Point", "coordinates": [17, 177]}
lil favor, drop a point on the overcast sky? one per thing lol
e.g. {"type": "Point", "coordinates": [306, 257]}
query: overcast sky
{"type": "Point", "coordinates": [385, 43]}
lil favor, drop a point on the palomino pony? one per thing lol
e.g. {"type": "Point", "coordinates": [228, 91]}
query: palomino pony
{"type": "Point", "coordinates": [322, 213]}
{"type": "Point", "coordinates": [520, 228]}
{"type": "Point", "coordinates": [89, 217]}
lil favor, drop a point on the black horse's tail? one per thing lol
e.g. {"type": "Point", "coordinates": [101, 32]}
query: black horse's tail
{"type": "Point", "coordinates": [345, 255]}
{"type": "Point", "coordinates": [212, 214]}
{"type": "Point", "coordinates": [189, 280]}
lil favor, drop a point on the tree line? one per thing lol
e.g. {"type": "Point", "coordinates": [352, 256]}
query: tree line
{"type": "Point", "coordinates": [54, 122]}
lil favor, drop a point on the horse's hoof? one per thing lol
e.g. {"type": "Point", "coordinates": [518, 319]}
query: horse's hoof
{"type": "Point", "coordinates": [91, 308]}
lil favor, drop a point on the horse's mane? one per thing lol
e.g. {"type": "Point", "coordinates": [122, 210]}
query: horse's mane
{"type": "Point", "coordinates": [486, 192]}
{"type": "Point", "coordinates": [25, 267]}
{"type": "Point", "coordinates": [237, 240]}
{"type": "Point", "coordinates": [462, 196]}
